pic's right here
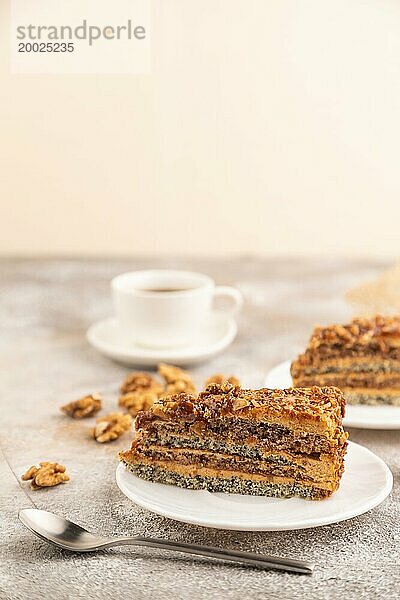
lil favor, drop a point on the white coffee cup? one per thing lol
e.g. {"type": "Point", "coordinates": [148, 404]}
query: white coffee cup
{"type": "Point", "coordinates": [165, 308]}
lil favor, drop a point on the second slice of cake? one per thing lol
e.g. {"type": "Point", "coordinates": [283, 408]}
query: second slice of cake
{"type": "Point", "coordinates": [362, 358]}
{"type": "Point", "coordinates": [279, 443]}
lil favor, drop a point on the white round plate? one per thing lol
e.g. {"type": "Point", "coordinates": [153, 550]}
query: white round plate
{"type": "Point", "coordinates": [366, 482]}
{"type": "Point", "coordinates": [362, 416]}
{"type": "Point", "coordinates": [216, 336]}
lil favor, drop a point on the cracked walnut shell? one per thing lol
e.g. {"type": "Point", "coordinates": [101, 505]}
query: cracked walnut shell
{"type": "Point", "coordinates": [111, 426]}
{"type": "Point", "coordinates": [48, 474]}
{"type": "Point", "coordinates": [84, 407]}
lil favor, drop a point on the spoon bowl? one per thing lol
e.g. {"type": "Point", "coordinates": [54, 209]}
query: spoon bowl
{"type": "Point", "coordinates": [60, 532]}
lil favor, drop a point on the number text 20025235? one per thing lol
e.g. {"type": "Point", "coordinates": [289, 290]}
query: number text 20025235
{"type": "Point", "coordinates": [46, 47]}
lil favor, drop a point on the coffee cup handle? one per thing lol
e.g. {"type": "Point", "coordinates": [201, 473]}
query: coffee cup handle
{"type": "Point", "coordinates": [225, 291]}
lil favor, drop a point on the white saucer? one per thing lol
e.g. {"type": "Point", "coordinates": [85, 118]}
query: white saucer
{"type": "Point", "coordinates": [366, 482]}
{"type": "Point", "coordinates": [363, 416]}
{"type": "Point", "coordinates": [217, 335]}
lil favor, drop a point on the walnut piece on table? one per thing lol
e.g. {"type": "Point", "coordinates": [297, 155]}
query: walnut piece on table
{"type": "Point", "coordinates": [177, 380]}
{"type": "Point", "coordinates": [84, 407]}
{"type": "Point", "coordinates": [139, 381]}
{"type": "Point", "coordinates": [139, 392]}
{"type": "Point", "coordinates": [48, 474]}
{"type": "Point", "coordinates": [219, 379]}
{"type": "Point", "coordinates": [111, 426]}
{"type": "Point", "coordinates": [134, 402]}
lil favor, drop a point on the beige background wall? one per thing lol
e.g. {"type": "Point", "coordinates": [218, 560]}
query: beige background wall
{"type": "Point", "coordinates": [269, 127]}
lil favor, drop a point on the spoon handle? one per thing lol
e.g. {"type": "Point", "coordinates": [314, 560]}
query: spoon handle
{"type": "Point", "coordinates": [243, 558]}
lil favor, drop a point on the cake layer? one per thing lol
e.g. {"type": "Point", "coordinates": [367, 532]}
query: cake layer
{"type": "Point", "coordinates": [373, 396]}
{"type": "Point", "coordinates": [228, 482]}
{"type": "Point", "coordinates": [348, 379]}
{"type": "Point", "coordinates": [283, 465]}
{"type": "Point", "coordinates": [362, 364]}
{"type": "Point", "coordinates": [323, 353]}
{"type": "Point", "coordinates": [316, 411]}
{"type": "Point", "coordinates": [259, 440]}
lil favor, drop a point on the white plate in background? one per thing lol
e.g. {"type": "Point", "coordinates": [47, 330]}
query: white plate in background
{"type": "Point", "coordinates": [366, 482]}
{"type": "Point", "coordinates": [361, 415]}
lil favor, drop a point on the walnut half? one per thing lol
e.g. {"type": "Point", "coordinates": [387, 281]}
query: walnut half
{"type": "Point", "coordinates": [48, 474]}
{"type": "Point", "coordinates": [111, 426]}
{"type": "Point", "coordinates": [134, 402]}
{"type": "Point", "coordinates": [84, 407]}
{"type": "Point", "coordinates": [139, 382]}
{"type": "Point", "coordinates": [177, 380]}
{"type": "Point", "coordinates": [139, 392]}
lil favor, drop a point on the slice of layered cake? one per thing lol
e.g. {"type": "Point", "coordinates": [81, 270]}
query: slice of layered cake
{"type": "Point", "coordinates": [265, 442]}
{"type": "Point", "coordinates": [362, 358]}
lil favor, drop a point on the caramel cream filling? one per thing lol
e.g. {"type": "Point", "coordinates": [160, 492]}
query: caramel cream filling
{"type": "Point", "coordinates": [193, 470]}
